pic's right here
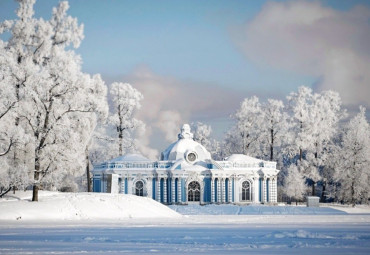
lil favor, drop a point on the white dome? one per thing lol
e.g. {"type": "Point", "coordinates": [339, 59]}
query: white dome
{"type": "Point", "coordinates": [242, 157]}
{"type": "Point", "coordinates": [130, 157]}
{"type": "Point", "coordinates": [186, 147]}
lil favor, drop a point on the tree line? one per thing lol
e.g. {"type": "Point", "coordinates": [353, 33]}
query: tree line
{"type": "Point", "coordinates": [310, 138]}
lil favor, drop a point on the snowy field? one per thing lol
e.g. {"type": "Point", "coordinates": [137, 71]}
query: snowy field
{"type": "Point", "coordinates": [230, 230]}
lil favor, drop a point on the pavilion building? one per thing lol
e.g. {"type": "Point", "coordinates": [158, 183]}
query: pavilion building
{"type": "Point", "coordinates": [186, 173]}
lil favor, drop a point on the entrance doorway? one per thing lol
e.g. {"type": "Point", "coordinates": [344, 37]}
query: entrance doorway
{"type": "Point", "coordinates": [194, 192]}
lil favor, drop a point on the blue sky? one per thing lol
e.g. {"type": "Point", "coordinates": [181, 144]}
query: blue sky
{"type": "Point", "coordinates": [211, 47]}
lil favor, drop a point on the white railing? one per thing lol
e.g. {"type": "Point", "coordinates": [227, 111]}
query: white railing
{"type": "Point", "coordinates": [140, 165]}
{"type": "Point", "coordinates": [167, 165]}
{"type": "Point", "coordinates": [226, 164]}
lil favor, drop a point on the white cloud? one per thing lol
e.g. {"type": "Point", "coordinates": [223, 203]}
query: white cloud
{"type": "Point", "coordinates": [311, 39]}
{"type": "Point", "coordinates": [168, 103]}
{"type": "Point", "coordinates": [169, 122]}
{"type": "Point", "coordinates": [143, 142]}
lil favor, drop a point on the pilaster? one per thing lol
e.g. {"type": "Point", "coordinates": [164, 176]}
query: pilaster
{"type": "Point", "coordinates": [122, 191]}
{"type": "Point", "coordinates": [173, 190]}
{"type": "Point", "coordinates": [218, 190]}
{"type": "Point", "coordinates": [159, 189]}
{"type": "Point", "coordinates": [223, 190]}
{"type": "Point", "coordinates": [212, 190]}
{"type": "Point", "coordinates": [264, 190]}
{"type": "Point", "coordinates": [165, 190]}
{"type": "Point", "coordinates": [179, 186]}
{"type": "Point", "coordinates": [230, 192]}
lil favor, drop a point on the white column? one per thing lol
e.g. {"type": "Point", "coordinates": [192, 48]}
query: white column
{"type": "Point", "coordinates": [123, 185]}
{"type": "Point", "coordinates": [264, 190]}
{"type": "Point", "coordinates": [275, 187]}
{"type": "Point", "coordinates": [159, 189]}
{"type": "Point", "coordinates": [212, 190]}
{"type": "Point", "coordinates": [173, 190]}
{"type": "Point", "coordinates": [165, 190]}
{"type": "Point", "coordinates": [229, 188]}
{"type": "Point", "coordinates": [273, 191]}
{"type": "Point", "coordinates": [269, 190]}
{"type": "Point", "coordinates": [201, 192]}
{"type": "Point", "coordinates": [235, 190]}
{"type": "Point", "coordinates": [179, 190]}
{"type": "Point", "coordinates": [223, 190]}
{"type": "Point", "coordinates": [218, 190]}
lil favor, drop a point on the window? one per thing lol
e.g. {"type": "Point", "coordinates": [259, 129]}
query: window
{"type": "Point", "coordinates": [194, 192]}
{"type": "Point", "coordinates": [191, 157]}
{"type": "Point", "coordinates": [139, 188]}
{"type": "Point", "coordinates": [246, 191]}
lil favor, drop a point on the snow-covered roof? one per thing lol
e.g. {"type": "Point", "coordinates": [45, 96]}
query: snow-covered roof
{"type": "Point", "coordinates": [242, 158]}
{"type": "Point", "coordinates": [130, 158]}
{"type": "Point", "coordinates": [184, 145]}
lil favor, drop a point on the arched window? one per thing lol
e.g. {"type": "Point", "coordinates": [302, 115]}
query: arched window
{"type": "Point", "coordinates": [246, 191]}
{"type": "Point", "coordinates": [194, 192]}
{"type": "Point", "coordinates": [139, 188]}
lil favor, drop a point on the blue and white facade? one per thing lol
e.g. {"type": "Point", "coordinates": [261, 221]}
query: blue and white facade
{"type": "Point", "coordinates": [186, 174]}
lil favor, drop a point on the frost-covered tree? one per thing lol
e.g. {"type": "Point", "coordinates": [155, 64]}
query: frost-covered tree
{"type": "Point", "coordinates": [294, 183]}
{"type": "Point", "coordinates": [12, 178]}
{"type": "Point", "coordinates": [8, 103]}
{"type": "Point", "coordinates": [202, 134]}
{"type": "Point", "coordinates": [274, 128]}
{"type": "Point", "coordinates": [313, 122]}
{"type": "Point", "coordinates": [13, 75]}
{"type": "Point", "coordinates": [352, 169]}
{"type": "Point", "coordinates": [126, 100]}
{"type": "Point", "coordinates": [245, 135]}
{"type": "Point", "coordinates": [300, 106]}
{"type": "Point", "coordinates": [52, 92]}
{"type": "Point", "coordinates": [87, 126]}
{"type": "Point", "coordinates": [327, 113]}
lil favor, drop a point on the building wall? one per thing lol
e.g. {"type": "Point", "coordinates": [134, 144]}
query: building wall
{"type": "Point", "coordinates": [170, 187]}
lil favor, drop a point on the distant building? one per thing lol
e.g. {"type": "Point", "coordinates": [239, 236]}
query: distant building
{"type": "Point", "coordinates": [186, 173]}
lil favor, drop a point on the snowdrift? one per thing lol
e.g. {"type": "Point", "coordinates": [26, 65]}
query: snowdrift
{"type": "Point", "coordinates": [81, 206]}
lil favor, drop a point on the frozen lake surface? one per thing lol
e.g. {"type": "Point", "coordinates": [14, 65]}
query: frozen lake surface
{"type": "Point", "coordinates": [198, 238]}
{"type": "Point", "coordinates": [229, 209]}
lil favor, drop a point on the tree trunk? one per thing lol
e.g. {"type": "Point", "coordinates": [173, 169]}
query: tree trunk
{"type": "Point", "coordinates": [120, 131]}
{"type": "Point", "coordinates": [35, 193]}
{"type": "Point", "coordinates": [120, 143]}
{"type": "Point", "coordinates": [88, 170]}
{"type": "Point", "coordinates": [353, 201]}
{"type": "Point", "coordinates": [313, 188]}
{"type": "Point", "coordinates": [6, 191]}
{"type": "Point", "coordinates": [36, 175]}
{"type": "Point", "coordinates": [272, 145]}
{"type": "Point", "coordinates": [323, 195]}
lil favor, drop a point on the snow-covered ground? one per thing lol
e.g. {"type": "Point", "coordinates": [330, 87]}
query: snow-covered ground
{"type": "Point", "coordinates": [80, 206]}
{"type": "Point", "coordinates": [132, 224]}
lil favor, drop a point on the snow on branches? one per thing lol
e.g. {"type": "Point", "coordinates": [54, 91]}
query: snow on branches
{"type": "Point", "coordinates": [56, 103]}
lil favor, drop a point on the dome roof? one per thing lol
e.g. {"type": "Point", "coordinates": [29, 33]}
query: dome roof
{"type": "Point", "coordinates": [130, 157]}
{"type": "Point", "coordinates": [242, 157]}
{"type": "Point", "coordinates": [186, 148]}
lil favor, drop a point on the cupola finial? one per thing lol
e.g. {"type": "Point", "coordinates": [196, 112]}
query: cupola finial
{"type": "Point", "coordinates": [185, 132]}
